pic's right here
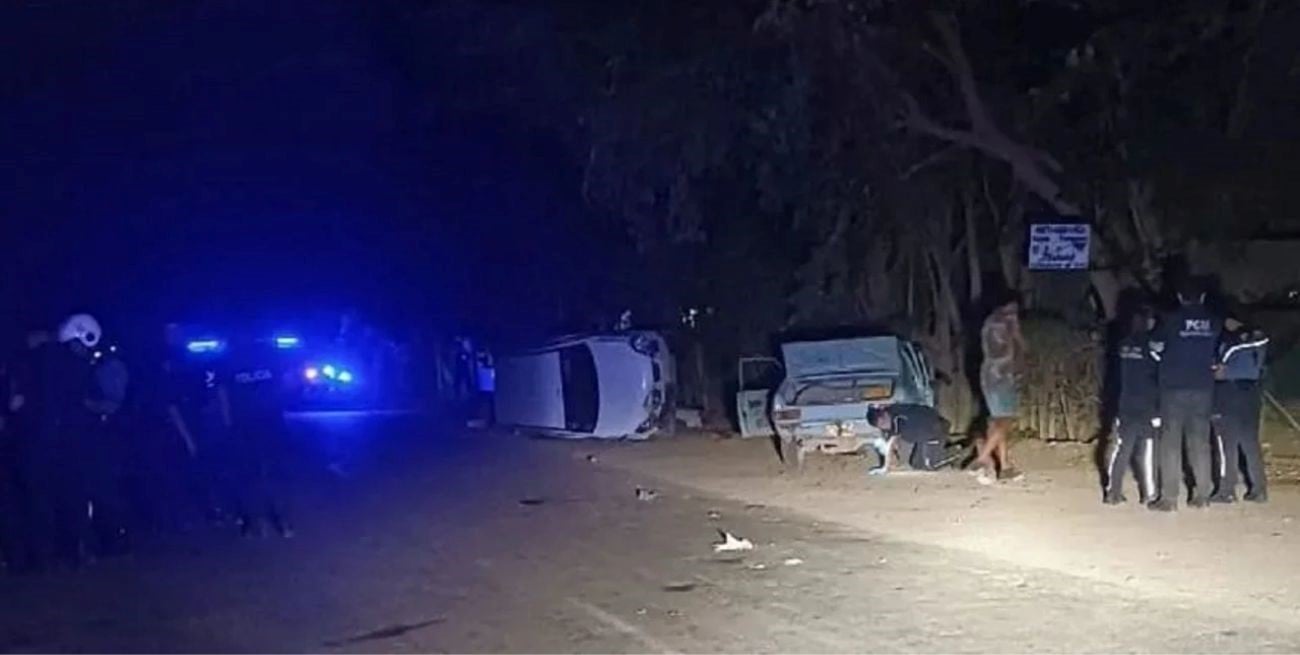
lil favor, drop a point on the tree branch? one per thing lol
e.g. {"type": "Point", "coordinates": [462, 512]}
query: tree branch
{"type": "Point", "coordinates": [929, 160]}
{"type": "Point", "coordinates": [1030, 165]}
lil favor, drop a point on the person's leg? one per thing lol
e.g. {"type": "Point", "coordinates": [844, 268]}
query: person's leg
{"type": "Point", "coordinates": [1256, 477]}
{"type": "Point", "coordinates": [38, 498]}
{"type": "Point", "coordinates": [1118, 460]}
{"type": "Point", "coordinates": [1225, 443]}
{"type": "Point", "coordinates": [1171, 452]}
{"type": "Point", "coordinates": [994, 436]}
{"type": "Point", "coordinates": [1149, 468]}
{"type": "Point", "coordinates": [1197, 441]}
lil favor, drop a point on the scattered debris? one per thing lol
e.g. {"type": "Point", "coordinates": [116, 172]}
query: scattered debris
{"type": "Point", "coordinates": [646, 495]}
{"type": "Point", "coordinates": [714, 515]}
{"type": "Point", "coordinates": [758, 567]}
{"type": "Point", "coordinates": [641, 611]}
{"type": "Point", "coordinates": [792, 561]}
{"type": "Point", "coordinates": [731, 543]}
{"type": "Point", "coordinates": [882, 560]}
{"type": "Point", "coordinates": [592, 459]}
{"type": "Point", "coordinates": [680, 586]}
{"type": "Point", "coordinates": [531, 501]}
{"type": "Point", "coordinates": [384, 633]}
{"type": "Point", "coordinates": [755, 506]}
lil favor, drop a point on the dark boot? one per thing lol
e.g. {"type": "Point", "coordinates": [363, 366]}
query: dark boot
{"type": "Point", "coordinates": [1163, 505]}
{"type": "Point", "coordinates": [1257, 496]}
{"type": "Point", "coordinates": [1224, 498]}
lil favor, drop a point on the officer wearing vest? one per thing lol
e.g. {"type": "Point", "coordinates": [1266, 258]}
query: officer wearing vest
{"type": "Point", "coordinates": [1185, 345]}
{"type": "Point", "coordinates": [1237, 397]}
{"type": "Point", "coordinates": [1137, 418]}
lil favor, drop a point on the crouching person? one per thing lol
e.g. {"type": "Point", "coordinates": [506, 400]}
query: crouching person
{"type": "Point", "coordinates": [914, 433]}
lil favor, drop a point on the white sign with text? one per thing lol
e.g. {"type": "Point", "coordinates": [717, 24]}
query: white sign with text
{"type": "Point", "coordinates": [1059, 246]}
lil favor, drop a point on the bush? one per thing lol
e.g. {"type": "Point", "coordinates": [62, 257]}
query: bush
{"type": "Point", "coordinates": [1060, 385]}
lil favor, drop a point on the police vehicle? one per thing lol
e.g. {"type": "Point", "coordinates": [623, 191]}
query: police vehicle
{"type": "Point", "coordinates": [315, 371]}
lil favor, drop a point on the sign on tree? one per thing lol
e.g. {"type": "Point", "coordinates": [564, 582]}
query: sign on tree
{"type": "Point", "coordinates": [1059, 246]}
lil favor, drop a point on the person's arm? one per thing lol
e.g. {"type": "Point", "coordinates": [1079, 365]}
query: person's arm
{"type": "Point", "coordinates": [178, 421]}
{"type": "Point", "coordinates": [1017, 336]}
{"type": "Point", "coordinates": [1156, 342]}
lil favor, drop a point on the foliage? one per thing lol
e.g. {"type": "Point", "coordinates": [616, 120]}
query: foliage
{"type": "Point", "coordinates": [1061, 381]}
{"type": "Point", "coordinates": [811, 162]}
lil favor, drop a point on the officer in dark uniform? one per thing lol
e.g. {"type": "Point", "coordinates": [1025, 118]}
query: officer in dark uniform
{"type": "Point", "coordinates": [105, 454]}
{"type": "Point", "coordinates": [251, 388]}
{"type": "Point", "coordinates": [917, 432]}
{"type": "Point", "coordinates": [1237, 397]}
{"type": "Point", "coordinates": [1185, 345]}
{"type": "Point", "coordinates": [53, 460]}
{"type": "Point", "coordinates": [1137, 418]}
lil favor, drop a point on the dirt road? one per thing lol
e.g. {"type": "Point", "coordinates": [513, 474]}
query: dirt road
{"type": "Point", "coordinates": [434, 540]}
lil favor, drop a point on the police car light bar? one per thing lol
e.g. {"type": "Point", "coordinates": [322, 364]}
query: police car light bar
{"type": "Point", "coordinates": [287, 342]}
{"type": "Point", "coordinates": [203, 346]}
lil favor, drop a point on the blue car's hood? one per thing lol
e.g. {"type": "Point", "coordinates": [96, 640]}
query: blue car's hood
{"type": "Point", "coordinates": [815, 359]}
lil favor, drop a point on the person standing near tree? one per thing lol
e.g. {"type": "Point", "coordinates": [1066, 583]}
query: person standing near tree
{"type": "Point", "coordinates": [1003, 346]}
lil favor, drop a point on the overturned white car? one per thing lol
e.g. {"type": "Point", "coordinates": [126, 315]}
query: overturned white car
{"type": "Point", "coordinates": [609, 386]}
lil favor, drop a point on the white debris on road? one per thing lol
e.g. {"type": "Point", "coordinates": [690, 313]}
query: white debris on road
{"type": "Point", "coordinates": [646, 494]}
{"type": "Point", "coordinates": [731, 543]}
{"type": "Point", "coordinates": [792, 561]}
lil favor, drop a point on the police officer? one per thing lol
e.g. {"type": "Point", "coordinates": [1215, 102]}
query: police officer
{"type": "Point", "coordinates": [1185, 345]}
{"type": "Point", "coordinates": [105, 453]}
{"type": "Point", "coordinates": [1237, 396]}
{"type": "Point", "coordinates": [53, 456]}
{"type": "Point", "coordinates": [917, 432]}
{"type": "Point", "coordinates": [1136, 419]}
{"type": "Point", "coordinates": [251, 389]}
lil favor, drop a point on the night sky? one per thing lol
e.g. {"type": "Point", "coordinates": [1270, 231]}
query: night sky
{"type": "Point", "coordinates": [168, 159]}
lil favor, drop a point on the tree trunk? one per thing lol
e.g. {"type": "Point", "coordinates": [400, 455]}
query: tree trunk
{"type": "Point", "coordinates": [974, 270]}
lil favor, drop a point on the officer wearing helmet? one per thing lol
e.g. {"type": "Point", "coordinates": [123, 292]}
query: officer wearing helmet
{"type": "Point", "coordinates": [52, 457]}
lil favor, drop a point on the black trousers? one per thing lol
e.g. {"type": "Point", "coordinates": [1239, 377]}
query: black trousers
{"type": "Point", "coordinates": [1134, 436]}
{"type": "Point", "coordinates": [58, 515]}
{"type": "Point", "coordinates": [1237, 406]}
{"type": "Point", "coordinates": [1185, 429]}
{"type": "Point", "coordinates": [103, 466]}
{"type": "Point", "coordinates": [244, 473]}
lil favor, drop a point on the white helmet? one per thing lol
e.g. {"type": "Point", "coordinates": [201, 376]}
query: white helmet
{"type": "Point", "coordinates": [83, 328]}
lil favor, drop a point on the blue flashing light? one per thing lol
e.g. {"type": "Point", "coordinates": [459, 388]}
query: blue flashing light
{"type": "Point", "coordinates": [345, 376]}
{"type": "Point", "coordinates": [311, 373]}
{"type": "Point", "coordinates": [285, 342]}
{"type": "Point", "coordinates": [329, 371]}
{"type": "Point", "coordinates": [203, 346]}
